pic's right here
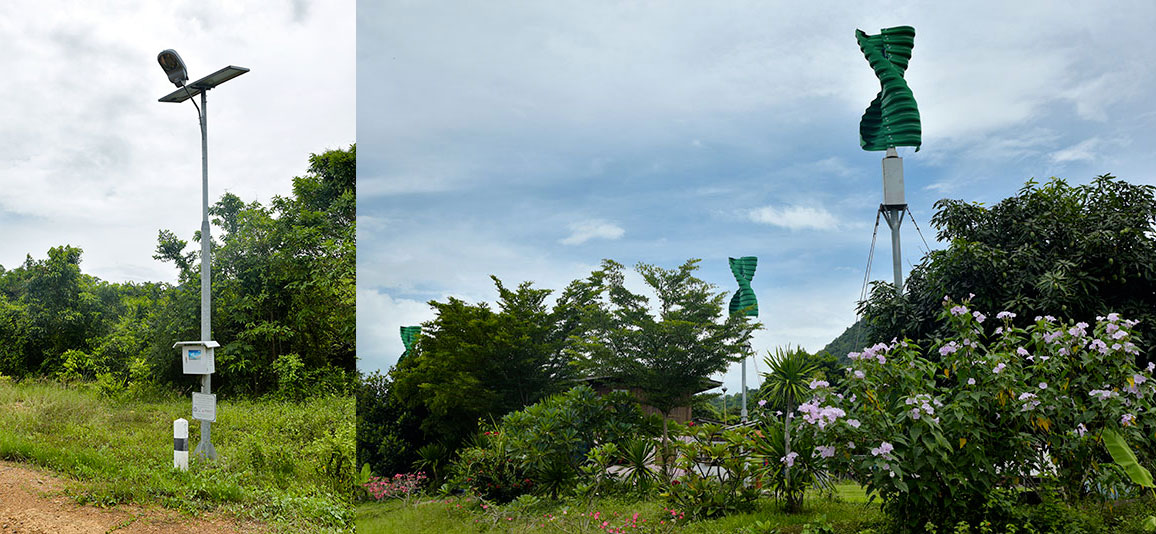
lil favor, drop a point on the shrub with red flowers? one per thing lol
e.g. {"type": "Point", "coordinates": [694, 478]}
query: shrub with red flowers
{"type": "Point", "coordinates": [489, 471]}
{"type": "Point", "coordinates": [399, 486]}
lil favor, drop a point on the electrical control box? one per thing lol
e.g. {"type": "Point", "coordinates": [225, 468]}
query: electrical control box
{"type": "Point", "coordinates": [197, 356]}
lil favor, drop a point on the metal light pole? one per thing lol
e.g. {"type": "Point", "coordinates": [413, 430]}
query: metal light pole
{"type": "Point", "coordinates": [724, 417]}
{"type": "Point", "coordinates": [175, 68]}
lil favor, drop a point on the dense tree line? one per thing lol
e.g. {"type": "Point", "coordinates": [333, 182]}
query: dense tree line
{"type": "Point", "coordinates": [283, 299]}
{"type": "Point", "coordinates": [473, 363]}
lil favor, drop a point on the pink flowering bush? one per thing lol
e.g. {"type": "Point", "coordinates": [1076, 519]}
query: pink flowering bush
{"type": "Point", "coordinates": [1001, 404]}
{"type": "Point", "coordinates": [399, 486]}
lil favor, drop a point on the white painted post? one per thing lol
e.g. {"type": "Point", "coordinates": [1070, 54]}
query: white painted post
{"type": "Point", "coordinates": [181, 444]}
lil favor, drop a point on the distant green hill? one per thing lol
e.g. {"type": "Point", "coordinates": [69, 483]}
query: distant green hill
{"type": "Point", "coordinates": [851, 340]}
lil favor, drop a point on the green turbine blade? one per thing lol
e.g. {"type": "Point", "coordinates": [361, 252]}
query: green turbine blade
{"type": "Point", "coordinates": [744, 299]}
{"type": "Point", "coordinates": [408, 338]}
{"type": "Point", "coordinates": [892, 119]}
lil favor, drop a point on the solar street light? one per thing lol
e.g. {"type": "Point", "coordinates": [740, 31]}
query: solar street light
{"type": "Point", "coordinates": [171, 61]}
{"type": "Point", "coordinates": [174, 67]}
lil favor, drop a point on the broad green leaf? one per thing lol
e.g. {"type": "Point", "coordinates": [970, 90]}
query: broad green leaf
{"type": "Point", "coordinates": [1123, 456]}
{"type": "Point", "coordinates": [941, 441]}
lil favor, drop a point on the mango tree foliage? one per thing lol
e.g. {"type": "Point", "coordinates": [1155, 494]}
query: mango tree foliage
{"type": "Point", "coordinates": [1073, 252]}
{"type": "Point", "coordinates": [475, 363]}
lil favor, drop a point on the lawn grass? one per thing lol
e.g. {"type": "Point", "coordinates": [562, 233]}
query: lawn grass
{"type": "Point", "coordinates": [459, 514]}
{"type": "Point", "coordinates": [282, 463]}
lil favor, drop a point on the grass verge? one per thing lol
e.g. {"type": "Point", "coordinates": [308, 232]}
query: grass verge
{"type": "Point", "coordinates": [286, 464]}
{"type": "Point", "coordinates": [458, 514]}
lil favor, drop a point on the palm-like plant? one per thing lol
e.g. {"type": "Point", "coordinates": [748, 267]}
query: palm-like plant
{"type": "Point", "coordinates": [431, 458]}
{"type": "Point", "coordinates": [639, 455]}
{"type": "Point", "coordinates": [786, 383]}
{"type": "Point", "coordinates": [772, 471]}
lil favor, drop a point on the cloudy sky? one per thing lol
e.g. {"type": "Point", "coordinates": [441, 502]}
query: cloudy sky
{"type": "Point", "coordinates": [88, 157]}
{"type": "Point", "coordinates": [530, 140]}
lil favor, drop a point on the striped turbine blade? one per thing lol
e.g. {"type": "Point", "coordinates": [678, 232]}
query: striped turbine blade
{"type": "Point", "coordinates": [408, 338]}
{"type": "Point", "coordinates": [892, 119]}
{"type": "Point", "coordinates": [744, 299]}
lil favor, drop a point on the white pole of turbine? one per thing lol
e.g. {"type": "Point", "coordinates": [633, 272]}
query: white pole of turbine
{"type": "Point", "coordinates": [893, 207]}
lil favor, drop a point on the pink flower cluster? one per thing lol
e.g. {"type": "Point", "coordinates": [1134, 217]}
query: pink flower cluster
{"type": "Point", "coordinates": [884, 449]}
{"type": "Point", "coordinates": [1103, 394]}
{"type": "Point", "coordinates": [875, 351]}
{"type": "Point", "coordinates": [815, 414]}
{"type": "Point", "coordinates": [924, 402]}
{"type": "Point", "coordinates": [1030, 401]}
{"type": "Point", "coordinates": [632, 523]}
{"type": "Point", "coordinates": [401, 485]}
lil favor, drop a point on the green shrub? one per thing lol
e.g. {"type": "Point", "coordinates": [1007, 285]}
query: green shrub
{"type": "Point", "coordinates": [336, 458]}
{"type": "Point", "coordinates": [76, 365]}
{"type": "Point", "coordinates": [549, 441]}
{"type": "Point", "coordinates": [562, 428]}
{"type": "Point", "coordinates": [489, 472]}
{"type": "Point", "coordinates": [109, 385]}
{"type": "Point", "coordinates": [290, 379]}
{"type": "Point", "coordinates": [717, 478]}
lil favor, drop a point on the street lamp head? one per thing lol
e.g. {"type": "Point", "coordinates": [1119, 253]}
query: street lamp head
{"type": "Point", "coordinates": [174, 67]}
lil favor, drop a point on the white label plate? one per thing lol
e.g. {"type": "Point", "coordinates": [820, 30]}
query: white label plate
{"type": "Point", "coordinates": [205, 407]}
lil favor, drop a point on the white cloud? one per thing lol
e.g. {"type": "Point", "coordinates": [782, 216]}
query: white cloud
{"type": "Point", "coordinates": [795, 217]}
{"type": "Point", "coordinates": [944, 187]}
{"type": "Point", "coordinates": [583, 231]}
{"type": "Point", "coordinates": [1083, 151]}
{"type": "Point", "coordinates": [90, 158]}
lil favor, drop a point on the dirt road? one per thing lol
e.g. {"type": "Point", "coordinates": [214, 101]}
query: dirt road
{"type": "Point", "coordinates": [32, 502]}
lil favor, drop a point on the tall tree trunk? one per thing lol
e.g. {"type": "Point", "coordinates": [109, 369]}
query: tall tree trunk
{"type": "Point", "coordinates": [665, 456]}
